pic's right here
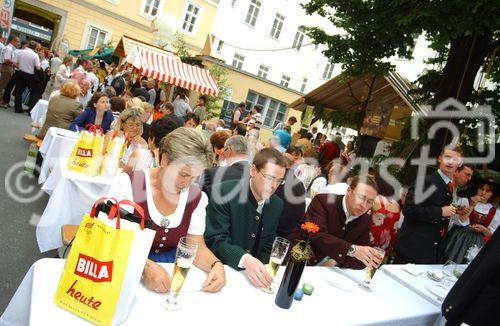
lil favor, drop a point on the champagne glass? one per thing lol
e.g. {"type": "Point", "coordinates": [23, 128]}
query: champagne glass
{"type": "Point", "coordinates": [278, 253]}
{"type": "Point", "coordinates": [184, 256]}
{"type": "Point", "coordinates": [370, 271]}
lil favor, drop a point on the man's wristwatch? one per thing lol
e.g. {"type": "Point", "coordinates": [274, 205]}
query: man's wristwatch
{"type": "Point", "coordinates": [351, 251]}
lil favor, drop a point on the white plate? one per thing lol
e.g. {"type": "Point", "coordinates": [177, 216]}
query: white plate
{"type": "Point", "coordinates": [437, 291]}
{"type": "Point", "coordinates": [341, 282]}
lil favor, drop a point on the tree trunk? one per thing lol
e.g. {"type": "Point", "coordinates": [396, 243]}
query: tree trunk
{"type": "Point", "coordinates": [467, 54]}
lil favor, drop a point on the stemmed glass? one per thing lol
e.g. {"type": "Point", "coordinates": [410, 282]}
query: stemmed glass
{"type": "Point", "coordinates": [278, 253]}
{"type": "Point", "coordinates": [184, 256]}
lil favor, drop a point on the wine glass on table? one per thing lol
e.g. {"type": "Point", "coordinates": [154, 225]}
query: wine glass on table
{"type": "Point", "coordinates": [184, 256]}
{"type": "Point", "coordinates": [278, 253]}
{"type": "Point", "coordinates": [370, 271]}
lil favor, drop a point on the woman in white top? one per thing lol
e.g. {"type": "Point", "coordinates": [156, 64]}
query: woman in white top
{"type": "Point", "coordinates": [174, 205]}
{"type": "Point", "coordinates": [63, 73]}
{"type": "Point", "coordinates": [475, 222]}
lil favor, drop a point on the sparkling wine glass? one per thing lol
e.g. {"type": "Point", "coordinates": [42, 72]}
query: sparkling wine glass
{"type": "Point", "coordinates": [370, 271]}
{"type": "Point", "coordinates": [184, 256]}
{"type": "Point", "coordinates": [278, 253]}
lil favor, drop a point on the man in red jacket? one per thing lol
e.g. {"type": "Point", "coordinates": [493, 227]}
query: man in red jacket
{"type": "Point", "coordinates": [343, 239]}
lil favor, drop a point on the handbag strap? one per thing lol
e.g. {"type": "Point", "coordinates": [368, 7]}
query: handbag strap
{"type": "Point", "coordinates": [94, 128]}
{"type": "Point", "coordinates": [112, 211]}
{"type": "Point", "coordinates": [137, 208]}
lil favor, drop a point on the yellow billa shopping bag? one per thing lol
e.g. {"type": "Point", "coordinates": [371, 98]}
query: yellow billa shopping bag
{"type": "Point", "coordinates": [101, 275]}
{"type": "Point", "coordinates": [114, 151]}
{"type": "Point", "coordinates": [86, 156]}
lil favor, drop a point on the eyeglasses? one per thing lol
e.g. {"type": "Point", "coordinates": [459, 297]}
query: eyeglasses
{"type": "Point", "coordinates": [363, 198]}
{"type": "Point", "coordinates": [270, 178]}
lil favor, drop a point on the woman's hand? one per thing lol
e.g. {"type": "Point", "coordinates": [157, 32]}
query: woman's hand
{"type": "Point", "coordinates": [216, 279]}
{"type": "Point", "coordinates": [155, 278]}
{"type": "Point", "coordinates": [481, 229]}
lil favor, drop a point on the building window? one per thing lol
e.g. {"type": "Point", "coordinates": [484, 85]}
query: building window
{"type": "Point", "coordinates": [273, 111]}
{"type": "Point", "coordinates": [277, 26]}
{"type": "Point", "coordinates": [96, 37]}
{"type": "Point", "coordinates": [299, 38]}
{"type": "Point", "coordinates": [327, 74]}
{"type": "Point", "coordinates": [285, 80]}
{"type": "Point", "coordinates": [190, 18]}
{"type": "Point", "coordinates": [238, 61]}
{"type": "Point", "coordinates": [151, 7]}
{"type": "Point", "coordinates": [304, 83]}
{"type": "Point", "coordinates": [263, 70]}
{"type": "Point", "coordinates": [253, 12]}
{"type": "Point", "coordinates": [219, 46]}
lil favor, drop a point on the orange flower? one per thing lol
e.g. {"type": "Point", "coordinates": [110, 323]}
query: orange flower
{"type": "Point", "coordinates": [310, 227]}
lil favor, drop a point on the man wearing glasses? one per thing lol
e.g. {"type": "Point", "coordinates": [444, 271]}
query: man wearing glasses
{"type": "Point", "coordinates": [242, 221]}
{"type": "Point", "coordinates": [344, 225]}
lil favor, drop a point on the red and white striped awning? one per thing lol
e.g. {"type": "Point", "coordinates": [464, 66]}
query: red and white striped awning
{"type": "Point", "coordinates": [172, 70]}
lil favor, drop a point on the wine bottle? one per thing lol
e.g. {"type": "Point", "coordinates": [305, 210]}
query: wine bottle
{"type": "Point", "coordinates": [289, 283]}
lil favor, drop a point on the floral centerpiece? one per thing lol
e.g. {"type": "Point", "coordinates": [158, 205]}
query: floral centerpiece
{"type": "Point", "coordinates": [299, 256]}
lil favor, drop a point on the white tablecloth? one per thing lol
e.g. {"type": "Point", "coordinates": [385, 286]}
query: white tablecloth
{"type": "Point", "coordinates": [72, 196]}
{"type": "Point", "coordinates": [419, 284]}
{"type": "Point", "coordinates": [38, 114]}
{"type": "Point", "coordinates": [389, 303]}
{"type": "Point", "coordinates": [57, 143]}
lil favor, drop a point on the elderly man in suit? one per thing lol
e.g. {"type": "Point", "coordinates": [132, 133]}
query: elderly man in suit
{"type": "Point", "coordinates": [426, 219]}
{"type": "Point", "coordinates": [235, 153]}
{"type": "Point", "coordinates": [343, 238]}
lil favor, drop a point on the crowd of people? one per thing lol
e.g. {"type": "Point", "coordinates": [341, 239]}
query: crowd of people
{"type": "Point", "coordinates": [221, 186]}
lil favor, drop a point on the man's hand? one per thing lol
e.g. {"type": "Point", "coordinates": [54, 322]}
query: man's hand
{"type": "Point", "coordinates": [216, 279]}
{"type": "Point", "coordinates": [155, 278]}
{"type": "Point", "coordinates": [368, 256]}
{"type": "Point", "coordinates": [464, 212]}
{"type": "Point", "coordinates": [448, 211]}
{"type": "Point", "coordinates": [256, 272]}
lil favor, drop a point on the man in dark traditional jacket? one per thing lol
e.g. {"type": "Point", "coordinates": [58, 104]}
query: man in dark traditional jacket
{"type": "Point", "coordinates": [242, 221]}
{"type": "Point", "coordinates": [343, 238]}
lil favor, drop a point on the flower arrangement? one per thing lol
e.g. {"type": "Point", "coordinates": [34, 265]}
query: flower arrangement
{"type": "Point", "coordinates": [302, 251]}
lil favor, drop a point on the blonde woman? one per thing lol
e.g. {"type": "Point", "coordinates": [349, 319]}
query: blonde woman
{"type": "Point", "coordinates": [174, 205]}
{"type": "Point", "coordinates": [62, 108]}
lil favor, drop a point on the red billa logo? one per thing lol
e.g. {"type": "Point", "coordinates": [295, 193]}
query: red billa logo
{"type": "Point", "coordinates": [84, 152]}
{"type": "Point", "coordinates": [94, 270]}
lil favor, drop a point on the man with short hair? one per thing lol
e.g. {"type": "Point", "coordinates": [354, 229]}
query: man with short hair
{"type": "Point", "coordinates": [238, 115]}
{"type": "Point", "coordinates": [235, 153]}
{"type": "Point", "coordinates": [168, 110]}
{"type": "Point", "coordinates": [255, 116]}
{"type": "Point", "coordinates": [200, 110]}
{"type": "Point", "coordinates": [7, 62]}
{"type": "Point", "coordinates": [150, 87]}
{"type": "Point", "coordinates": [426, 220]}
{"type": "Point", "coordinates": [290, 122]}
{"type": "Point", "coordinates": [343, 238]}
{"type": "Point", "coordinates": [28, 62]}
{"type": "Point", "coordinates": [241, 228]}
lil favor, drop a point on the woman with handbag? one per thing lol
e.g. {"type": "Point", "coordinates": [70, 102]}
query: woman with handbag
{"type": "Point", "coordinates": [174, 205]}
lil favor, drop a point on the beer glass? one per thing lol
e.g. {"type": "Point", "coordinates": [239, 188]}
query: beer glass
{"type": "Point", "coordinates": [184, 256]}
{"type": "Point", "coordinates": [370, 271]}
{"type": "Point", "coordinates": [278, 253]}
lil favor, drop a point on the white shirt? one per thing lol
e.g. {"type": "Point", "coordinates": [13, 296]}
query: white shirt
{"type": "Point", "coordinates": [93, 80]}
{"type": "Point", "coordinates": [318, 184]}
{"type": "Point", "coordinates": [7, 53]}
{"type": "Point", "coordinates": [445, 178]}
{"type": "Point", "coordinates": [122, 189]}
{"type": "Point", "coordinates": [27, 60]}
{"type": "Point", "coordinates": [348, 218]}
{"type": "Point", "coordinates": [55, 63]}
{"type": "Point", "coordinates": [337, 189]}
{"type": "Point", "coordinates": [181, 107]}
{"type": "Point", "coordinates": [84, 100]}
{"type": "Point", "coordinates": [62, 74]}
{"type": "Point", "coordinates": [44, 64]}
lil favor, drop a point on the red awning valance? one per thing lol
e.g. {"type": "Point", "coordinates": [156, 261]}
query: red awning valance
{"type": "Point", "coordinates": [172, 70]}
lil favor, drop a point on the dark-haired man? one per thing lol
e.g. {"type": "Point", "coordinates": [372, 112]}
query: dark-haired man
{"type": "Point", "coordinates": [238, 115]}
{"type": "Point", "coordinates": [426, 219]}
{"type": "Point", "coordinates": [343, 238]}
{"type": "Point", "coordinates": [241, 225]}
